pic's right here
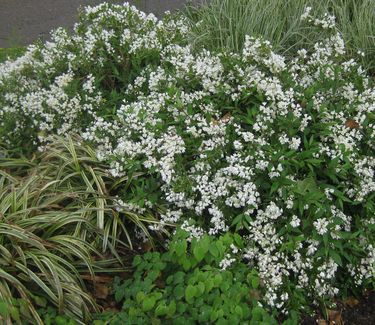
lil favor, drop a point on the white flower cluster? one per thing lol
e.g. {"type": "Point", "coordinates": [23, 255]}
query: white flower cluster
{"type": "Point", "coordinates": [321, 225]}
{"type": "Point", "coordinates": [226, 262]}
{"type": "Point", "coordinates": [326, 22]}
{"type": "Point", "coordinates": [46, 91]}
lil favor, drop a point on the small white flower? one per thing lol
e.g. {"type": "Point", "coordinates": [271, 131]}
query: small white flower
{"type": "Point", "coordinates": [226, 262]}
{"type": "Point", "coordinates": [321, 225]}
{"type": "Point", "coordinates": [295, 221]}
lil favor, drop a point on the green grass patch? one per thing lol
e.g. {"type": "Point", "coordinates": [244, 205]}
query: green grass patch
{"type": "Point", "coordinates": [12, 53]}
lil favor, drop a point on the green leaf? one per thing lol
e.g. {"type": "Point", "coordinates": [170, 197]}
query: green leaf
{"type": "Point", "coordinates": [238, 240]}
{"type": "Point", "coordinates": [213, 250]}
{"type": "Point", "coordinates": [181, 307]}
{"type": "Point", "coordinates": [171, 309]}
{"type": "Point", "coordinates": [137, 260]}
{"type": "Point", "coordinates": [59, 320]}
{"type": "Point", "coordinates": [161, 310]}
{"type": "Point", "coordinates": [148, 303]}
{"type": "Point", "coordinates": [238, 311]}
{"type": "Point", "coordinates": [190, 293]}
{"type": "Point", "coordinates": [201, 248]}
{"type": "Point", "coordinates": [179, 292]}
{"type": "Point", "coordinates": [179, 277]}
{"type": "Point", "coordinates": [237, 220]}
{"type": "Point", "coordinates": [133, 312]}
{"type": "Point", "coordinates": [180, 248]}
{"type": "Point", "coordinates": [199, 252]}
{"type": "Point", "coordinates": [40, 301]}
{"type": "Point", "coordinates": [218, 279]}
{"type": "Point", "coordinates": [224, 287]}
{"type": "Point", "coordinates": [201, 287]}
{"type": "Point", "coordinates": [209, 284]}
{"type": "Point", "coordinates": [205, 313]}
{"type": "Point", "coordinates": [213, 316]}
{"type": "Point", "coordinates": [305, 186]}
{"type": "Point", "coordinates": [98, 322]}
{"type": "Point", "coordinates": [158, 295]}
{"type": "Point", "coordinates": [186, 265]}
{"type": "Point", "coordinates": [255, 282]}
{"type": "Point", "coordinates": [274, 187]}
{"type": "Point", "coordinates": [257, 314]}
{"type": "Point", "coordinates": [220, 247]}
{"type": "Point", "coordinates": [24, 308]}
{"type": "Point", "coordinates": [4, 311]}
{"type": "Point", "coordinates": [15, 314]}
{"type": "Point", "coordinates": [336, 257]}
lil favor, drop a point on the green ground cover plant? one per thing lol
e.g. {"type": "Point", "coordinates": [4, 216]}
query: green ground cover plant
{"type": "Point", "coordinates": [275, 153]}
{"type": "Point", "coordinates": [225, 23]}
{"type": "Point", "coordinates": [187, 285]}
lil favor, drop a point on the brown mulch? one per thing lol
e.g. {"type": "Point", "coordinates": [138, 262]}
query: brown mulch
{"type": "Point", "coordinates": [349, 312]}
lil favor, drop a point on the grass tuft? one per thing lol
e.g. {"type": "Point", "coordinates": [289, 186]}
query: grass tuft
{"type": "Point", "coordinates": [223, 24]}
{"type": "Point", "coordinates": [57, 218]}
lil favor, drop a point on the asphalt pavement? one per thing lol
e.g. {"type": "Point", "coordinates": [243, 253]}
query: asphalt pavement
{"type": "Point", "coordinates": [24, 21]}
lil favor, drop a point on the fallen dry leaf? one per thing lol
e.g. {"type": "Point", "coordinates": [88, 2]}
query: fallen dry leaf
{"type": "Point", "coordinates": [101, 291]}
{"type": "Point", "coordinates": [160, 283]}
{"type": "Point", "coordinates": [303, 103]}
{"type": "Point", "coordinates": [146, 246]}
{"type": "Point", "coordinates": [351, 302]}
{"type": "Point", "coordinates": [255, 294]}
{"type": "Point", "coordinates": [97, 278]}
{"type": "Point", "coordinates": [224, 119]}
{"type": "Point", "coordinates": [352, 124]}
{"type": "Point", "coordinates": [334, 317]}
{"type": "Point", "coordinates": [322, 322]}
{"type": "Point", "coordinates": [111, 310]}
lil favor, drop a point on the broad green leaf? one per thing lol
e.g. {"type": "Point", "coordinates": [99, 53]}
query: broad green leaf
{"type": "Point", "coordinates": [218, 279]}
{"type": "Point", "coordinates": [238, 311]}
{"type": "Point", "coordinates": [148, 303]}
{"type": "Point", "coordinates": [201, 287]}
{"type": "Point", "coordinates": [179, 292]}
{"type": "Point", "coordinates": [171, 310]}
{"type": "Point", "coordinates": [180, 247]}
{"type": "Point", "coordinates": [190, 293]}
{"type": "Point", "coordinates": [200, 252]}
{"type": "Point", "coordinates": [255, 282]}
{"type": "Point", "coordinates": [140, 296]}
{"type": "Point", "coordinates": [213, 250]}
{"type": "Point", "coordinates": [161, 310]}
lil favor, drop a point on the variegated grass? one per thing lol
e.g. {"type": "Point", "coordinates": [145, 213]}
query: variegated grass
{"type": "Point", "coordinates": [222, 24]}
{"type": "Point", "coordinates": [57, 218]}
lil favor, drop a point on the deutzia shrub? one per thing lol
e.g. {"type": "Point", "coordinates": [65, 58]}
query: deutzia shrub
{"type": "Point", "coordinates": [76, 81]}
{"type": "Point", "coordinates": [279, 151]}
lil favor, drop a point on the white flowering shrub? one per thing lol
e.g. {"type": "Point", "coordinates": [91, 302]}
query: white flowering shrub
{"type": "Point", "coordinates": [72, 81]}
{"type": "Point", "coordinates": [281, 152]}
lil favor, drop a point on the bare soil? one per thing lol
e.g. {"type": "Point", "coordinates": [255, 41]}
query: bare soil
{"type": "Point", "coordinates": [353, 311]}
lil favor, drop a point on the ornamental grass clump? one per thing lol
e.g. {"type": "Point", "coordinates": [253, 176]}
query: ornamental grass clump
{"type": "Point", "coordinates": [218, 24]}
{"type": "Point", "coordinates": [40, 260]}
{"type": "Point", "coordinates": [279, 151]}
{"type": "Point", "coordinates": [61, 222]}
